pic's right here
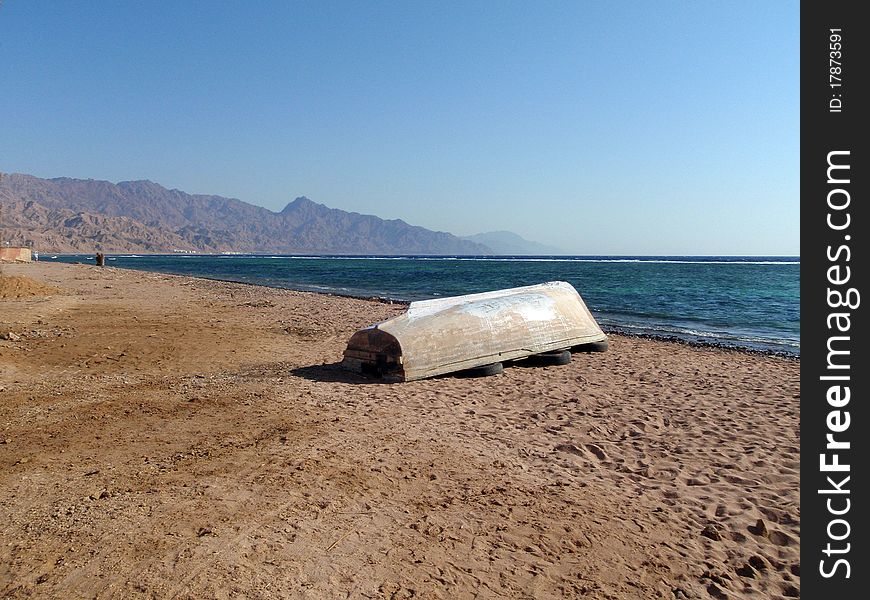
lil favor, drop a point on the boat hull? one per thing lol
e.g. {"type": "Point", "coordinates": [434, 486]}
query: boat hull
{"type": "Point", "coordinates": [445, 335]}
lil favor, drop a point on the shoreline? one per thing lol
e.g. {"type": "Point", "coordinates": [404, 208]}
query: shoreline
{"type": "Point", "coordinates": [492, 256]}
{"type": "Point", "coordinates": [608, 329]}
{"type": "Point", "coordinates": [701, 344]}
{"type": "Point", "coordinates": [173, 436]}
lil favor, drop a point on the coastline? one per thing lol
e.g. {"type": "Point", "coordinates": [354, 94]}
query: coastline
{"type": "Point", "coordinates": [610, 323]}
{"type": "Point", "coordinates": [671, 339]}
{"type": "Point", "coordinates": [185, 436]}
{"type": "Point", "coordinates": [609, 330]}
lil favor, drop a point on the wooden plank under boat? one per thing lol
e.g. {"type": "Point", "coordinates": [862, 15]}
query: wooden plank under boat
{"type": "Point", "coordinates": [464, 332]}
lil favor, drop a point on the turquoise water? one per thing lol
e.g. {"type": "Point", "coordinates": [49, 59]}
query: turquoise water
{"type": "Point", "coordinates": [748, 302]}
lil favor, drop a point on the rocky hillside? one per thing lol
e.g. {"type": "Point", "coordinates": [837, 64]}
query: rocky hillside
{"type": "Point", "coordinates": [75, 215]}
{"type": "Point", "coordinates": [27, 223]}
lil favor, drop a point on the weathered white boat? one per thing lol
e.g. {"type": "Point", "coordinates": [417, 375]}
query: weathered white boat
{"type": "Point", "coordinates": [465, 332]}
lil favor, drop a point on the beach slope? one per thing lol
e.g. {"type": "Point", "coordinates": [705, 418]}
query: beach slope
{"type": "Point", "coordinates": [171, 437]}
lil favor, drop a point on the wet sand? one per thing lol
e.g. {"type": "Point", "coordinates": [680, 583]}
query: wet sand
{"type": "Point", "coordinates": [170, 437]}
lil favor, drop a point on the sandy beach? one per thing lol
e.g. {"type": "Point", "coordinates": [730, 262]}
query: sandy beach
{"type": "Point", "coordinates": [170, 437]}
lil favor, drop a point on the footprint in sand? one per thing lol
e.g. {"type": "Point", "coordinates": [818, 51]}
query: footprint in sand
{"type": "Point", "coordinates": [781, 539]}
{"type": "Point", "coordinates": [666, 473]}
{"type": "Point", "coordinates": [699, 480]}
{"type": "Point", "coordinates": [746, 571]}
{"type": "Point", "coordinates": [738, 537]}
{"type": "Point", "coordinates": [758, 529]}
{"type": "Point", "coordinates": [712, 532]}
{"type": "Point", "coordinates": [597, 451]}
{"type": "Point", "coordinates": [570, 449]}
{"type": "Point", "coordinates": [578, 451]}
{"type": "Point", "coordinates": [758, 563]}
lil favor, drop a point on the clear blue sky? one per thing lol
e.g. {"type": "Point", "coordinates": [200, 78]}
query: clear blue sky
{"type": "Point", "coordinates": [598, 127]}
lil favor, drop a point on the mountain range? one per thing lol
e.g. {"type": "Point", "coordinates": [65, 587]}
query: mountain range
{"type": "Point", "coordinates": [87, 215]}
{"type": "Point", "coordinates": [508, 242]}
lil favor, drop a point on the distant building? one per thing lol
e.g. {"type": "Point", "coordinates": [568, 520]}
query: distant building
{"type": "Point", "coordinates": [15, 254]}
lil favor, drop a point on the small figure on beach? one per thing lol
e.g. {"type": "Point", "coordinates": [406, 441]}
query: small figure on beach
{"type": "Point", "coordinates": [101, 259]}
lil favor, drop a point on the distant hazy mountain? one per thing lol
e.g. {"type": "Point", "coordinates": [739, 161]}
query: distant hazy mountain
{"type": "Point", "coordinates": [68, 215]}
{"type": "Point", "coordinates": [506, 242]}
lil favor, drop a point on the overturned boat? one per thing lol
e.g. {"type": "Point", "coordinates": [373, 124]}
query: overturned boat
{"type": "Point", "coordinates": [446, 335]}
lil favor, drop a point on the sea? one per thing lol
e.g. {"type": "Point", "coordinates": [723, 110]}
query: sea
{"type": "Point", "coordinates": [747, 302]}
